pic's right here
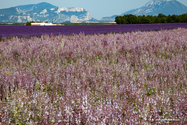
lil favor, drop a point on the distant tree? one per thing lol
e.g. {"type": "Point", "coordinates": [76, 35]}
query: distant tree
{"type": "Point", "coordinates": [168, 19]}
{"type": "Point", "coordinates": [156, 20]}
{"type": "Point", "coordinates": [131, 19]}
{"type": "Point", "coordinates": [144, 19]}
{"type": "Point", "coordinates": [161, 18]}
{"type": "Point", "coordinates": [28, 23]}
{"type": "Point", "coordinates": [120, 20]}
{"type": "Point", "coordinates": [183, 18]}
{"type": "Point", "coordinates": [177, 18]}
{"type": "Point", "coordinates": [161, 15]}
{"type": "Point", "coordinates": [173, 18]}
{"type": "Point", "coordinates": [150, 18]}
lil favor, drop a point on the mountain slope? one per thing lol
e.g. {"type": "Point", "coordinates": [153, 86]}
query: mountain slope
{"type": "Point", "coordinates": [38, 6]}
{"type": "Point", "coordinates": [43, 12]}
{"type": "Point", "coordinates": [154, 7]}
{"type": "Point", "coordinates": [112, 18]}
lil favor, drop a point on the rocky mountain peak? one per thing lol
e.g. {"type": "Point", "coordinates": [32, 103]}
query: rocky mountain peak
{"type": "Point", "coordinates": [43, 12]}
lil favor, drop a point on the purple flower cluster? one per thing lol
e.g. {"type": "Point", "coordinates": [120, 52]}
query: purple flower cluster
{"type": "Point", "coordinates": [119, 78]}
{"type": "Point", "coordinates": [26, 31]}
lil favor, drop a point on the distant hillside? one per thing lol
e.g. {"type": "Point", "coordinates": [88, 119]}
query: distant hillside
{"type": "Point", "coordinates": [112, 18]}
{"type": "Point", "coordinates": [43, 12]}
{"type": "Point", "coordinates": [154, 7]}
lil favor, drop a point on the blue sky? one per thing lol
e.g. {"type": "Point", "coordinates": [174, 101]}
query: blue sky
{"type": "Point", "coordinates": [97, 8]}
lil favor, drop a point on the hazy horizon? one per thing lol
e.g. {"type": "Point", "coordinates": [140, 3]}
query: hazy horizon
{"type": "Point", "coordinates": [97, 8]}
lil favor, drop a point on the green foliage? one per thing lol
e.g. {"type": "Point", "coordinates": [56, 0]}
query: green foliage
{"type": "Point", "coordinates": [28, 23]}
{"type": "Point", "coordinates": [161, 18]}
{"type": "Point", "coordinates": [148, 92]}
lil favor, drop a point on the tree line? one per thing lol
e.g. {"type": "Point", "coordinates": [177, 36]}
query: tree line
{"type": "Point", "coordinates": [161, 18]}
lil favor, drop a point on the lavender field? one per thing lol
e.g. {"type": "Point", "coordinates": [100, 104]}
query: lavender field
{"type": "Point", "coordinates": [114, 78]}
{"type": "Point", "coordinates": [27, 31]}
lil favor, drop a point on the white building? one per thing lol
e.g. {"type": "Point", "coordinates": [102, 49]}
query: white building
{"type": "Point", "coordinates": [42, 24]}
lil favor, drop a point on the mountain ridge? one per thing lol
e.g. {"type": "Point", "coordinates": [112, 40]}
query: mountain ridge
{"type": "Point", "coordinates": [154, 7]}
{"type": "Point", "coordinates": [43, 12]}
{"type": "Point", "coordinates": [30, 7]}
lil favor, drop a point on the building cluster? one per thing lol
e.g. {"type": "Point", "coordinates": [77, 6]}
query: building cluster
{"type": "Point", "coordinates": [44, 24]}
